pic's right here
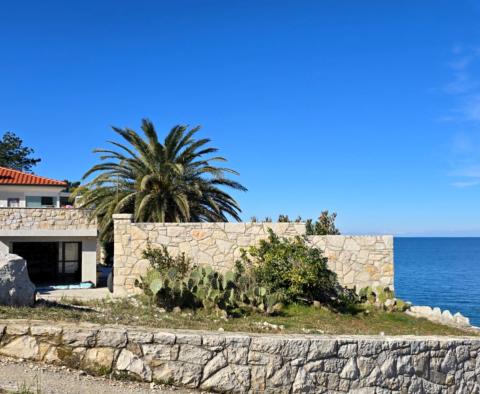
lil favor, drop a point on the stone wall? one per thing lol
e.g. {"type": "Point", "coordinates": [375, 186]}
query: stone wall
{"type": "Point", "coordinates": [214, 244]}
{"type": "Point", "coordinates": [358, 261]}
{"type": "Point", "coordinates": [45, 219]}
{"type": "Point", "coordinates": [241, 363]}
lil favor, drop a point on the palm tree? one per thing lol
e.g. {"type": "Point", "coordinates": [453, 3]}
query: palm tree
{"type": "Point", "coordinates": [173, 181]}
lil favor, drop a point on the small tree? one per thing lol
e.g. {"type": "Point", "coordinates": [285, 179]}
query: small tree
{"type": "Point", "coordinates": [325, 225]}
{"type": "Point", "coordinates": [14, 155]}
{"type": "Point", "coordinates": [285, 219]}
{"type": "Point", "coordinates": [71, 186]}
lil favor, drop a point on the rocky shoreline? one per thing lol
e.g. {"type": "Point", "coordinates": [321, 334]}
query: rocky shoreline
{"type": "Point", "coordinates": [443, 317]}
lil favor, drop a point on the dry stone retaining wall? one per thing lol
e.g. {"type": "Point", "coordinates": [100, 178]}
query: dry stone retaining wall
{"type": "Point", "coordinates": [358, 260]}
{"type": "Point", "coordinates": [241, 363]}
{"type": "Point", "coordinates": [45, 219]}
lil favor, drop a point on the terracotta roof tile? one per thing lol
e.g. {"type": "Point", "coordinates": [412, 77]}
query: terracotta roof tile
{"type": "Point", "coordinates": [14, 177]}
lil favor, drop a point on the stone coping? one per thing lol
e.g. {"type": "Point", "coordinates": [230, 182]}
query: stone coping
{"type": "Point", "coordinates": [341, 337]}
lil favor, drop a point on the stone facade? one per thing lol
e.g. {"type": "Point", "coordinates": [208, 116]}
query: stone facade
{"type": "Point", "coordinates": [241, 363]}
{"type": "Point", "coordinates": [42, 225]}
{"type": "Point", "coordinates": [45, 219]}
{"type": "Point", "coordinates": [358, 261]}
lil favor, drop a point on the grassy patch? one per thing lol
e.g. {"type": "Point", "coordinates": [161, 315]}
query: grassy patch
{"type": "Point", "coordinates": [293, 319]}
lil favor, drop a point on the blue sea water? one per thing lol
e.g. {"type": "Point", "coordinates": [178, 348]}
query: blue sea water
{"type": "Point", "coordinates": [443, 272]}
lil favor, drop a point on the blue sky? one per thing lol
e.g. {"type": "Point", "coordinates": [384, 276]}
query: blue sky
{"type": "Point", "coordinates": [370, 109]}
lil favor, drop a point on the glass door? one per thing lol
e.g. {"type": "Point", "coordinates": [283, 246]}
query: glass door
{"type": "Point", "coordinates": [70, 262]}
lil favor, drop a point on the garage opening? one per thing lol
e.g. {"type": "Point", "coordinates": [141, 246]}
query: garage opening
{"type": "Point", "coordinates": [51, 262]}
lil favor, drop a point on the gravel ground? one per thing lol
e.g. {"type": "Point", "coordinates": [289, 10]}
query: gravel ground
{"type": "Point", "coordinates": [48, 379]}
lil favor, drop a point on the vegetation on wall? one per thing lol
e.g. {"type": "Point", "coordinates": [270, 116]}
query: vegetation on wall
{"type": "Point", "coordinates": [174, 282]}
{"type": "Point", "coordinates": [176, 180]}
{"type": "Point", "coordinates": [162, 261]}
{"type": "Point", "coordinates": [325, 225]}
{"type": "Point", "coordinates": [277, 271]}
{"type": "Point", "coordinates": [296, 271]}
{"type": "Point", "coordinates": [13, 154]}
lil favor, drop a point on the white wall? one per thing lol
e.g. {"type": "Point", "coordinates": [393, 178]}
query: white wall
{"type": "Point", "coordinates": [89, 251]}
{"type": "Point", "coordinates": [20, 192]}
{"type": "Point", "coordinates": [89, 260]}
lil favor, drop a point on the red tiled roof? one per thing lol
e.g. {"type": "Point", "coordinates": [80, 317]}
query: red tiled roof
{"type": "Point", "coordinates": [14, 177]}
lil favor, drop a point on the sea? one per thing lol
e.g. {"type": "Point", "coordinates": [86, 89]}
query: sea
{"type": "Point", "coordinates": [443, 272]}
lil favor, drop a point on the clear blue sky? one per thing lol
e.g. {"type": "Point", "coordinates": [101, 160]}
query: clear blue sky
{"type": "Point", "coordinates": [370, 109]}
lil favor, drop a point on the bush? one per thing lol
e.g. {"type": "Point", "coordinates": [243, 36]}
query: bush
{"type": "Point", "coordinates": [232, 292]}
{"type": "Point", "coordinates": [161, 260]}
{"type": "Point", "coordinates": [295, 270]}
{"type": "Point", "coordinates": [325, 225]}
{"type": "Point", "coordinates": [278, 270]}
{"type": "Point", "coordinates": [172, 281]}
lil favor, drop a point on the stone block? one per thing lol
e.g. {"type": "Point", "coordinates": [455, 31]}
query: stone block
{"type": "Point", "coordinates": [111, 337]}
{"type": "Point", "coordinates": [79, 336]}
{"type": "Point", "coordinates": [98, 360]}
{"type": "Point", "coordinates": [130, 362]}
{"type": "Point", "coordinates": [178, 373]}
{"type": "Point", "coordinates": [22, 347]}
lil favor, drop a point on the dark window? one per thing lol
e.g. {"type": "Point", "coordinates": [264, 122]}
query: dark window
{"type": "Point", "coordinates": [14, 202]}
{"type": "Point", "coordinates": [51, 262]}
{"type": "Point", "coordinates": [47, 201]}
{"type": "Point", "coordinates": [65, 201]}
{"type": "Point", "coordinates": [41, 260]}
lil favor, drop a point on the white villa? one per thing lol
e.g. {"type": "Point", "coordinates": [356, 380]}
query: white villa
{"type": "Point", "coordinates": [38, 223]}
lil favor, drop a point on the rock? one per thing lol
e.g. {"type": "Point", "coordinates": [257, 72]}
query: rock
{"type": "Point", "coordinates": [317, 304]}
{"type": "Point", "coordinates": [159, 351]}
{"type": "Point", "coordinates": [24, 347]}
{"type": "Point", "coordinates": [128, 361]}
{"type": "Point", "coordinates": [232, 378]}
{"type": "Point", "coordinates": [214, 365]}
{"type": "Point", "coordinates": [447, 316]}
{"type": "Point", "coordinates": [449, 362]}
{"type": "Point", "coordinates": [178, 373]}
{"type": "Point", "coordinates": [390, 303]}
{"type": "Point", "coordinates": [98, 360]}
{"type": "Point", "coordinates": [177, 309]}
{"type": "Point", "coordinates": [438, 316]}
{"type": "Point", "coordinates": [74, 336]}
{"type": "Point", "coordinates": [461, 320]}
{"type": "Point", "coordinates": [350, 371]}
{"type": "Point", "coordinates": [135, 336]}
{"type": "Point", "coordinates": [389, 367]}
{"type": "Point", "coordinates": [436, 313]}
{"type": "Point", "coordinates": [16, 288]}
{"type": "Point", "coordinates": [194, 354]}
{"type": "Point", "coordinates": [108, 337]}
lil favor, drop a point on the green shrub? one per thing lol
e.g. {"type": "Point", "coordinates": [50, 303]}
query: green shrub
{"type": "Point", "coordinates": [295, 270]}
{"type": "Point", "coordinates": [232, 292]}
{"type": "Point", "coordinates": [325, 225]}
{"type": "Point", "coordinates": [172, 281]}
{"type": "Point", "coordinates": [161, 260]}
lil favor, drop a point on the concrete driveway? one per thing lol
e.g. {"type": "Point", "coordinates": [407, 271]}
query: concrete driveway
{"type": "Point", "coordinates": [74, 294]}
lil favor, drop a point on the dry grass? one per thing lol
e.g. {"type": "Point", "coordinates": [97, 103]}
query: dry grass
{"type": "Point", "coordinates": [294, 319]}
